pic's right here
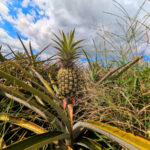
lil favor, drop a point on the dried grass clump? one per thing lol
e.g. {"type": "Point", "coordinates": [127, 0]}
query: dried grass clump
{"type": "Point", "coordinates": [120, 102]}
{"type": "Point", "coordinates": [117, 81]}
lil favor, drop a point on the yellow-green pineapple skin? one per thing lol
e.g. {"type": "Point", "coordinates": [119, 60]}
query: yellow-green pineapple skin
{"type": "Point", "coordinates": [69, 81]}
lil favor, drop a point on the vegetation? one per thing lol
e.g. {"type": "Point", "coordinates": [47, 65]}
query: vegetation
{"type": "Point", "coordinates": [47, 104]}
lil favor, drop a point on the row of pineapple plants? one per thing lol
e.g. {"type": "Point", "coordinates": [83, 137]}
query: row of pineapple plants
{"type": "Point", "coordinates": [51, 103]}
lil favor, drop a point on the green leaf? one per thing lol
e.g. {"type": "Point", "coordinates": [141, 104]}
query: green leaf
{"type": "Point", "coordinates": [23, 123]}
{"type": "Point", "coordinates": [76, 43]}
{"type": "Point", "coordinates": [16, 65]}
{"type": "Point", "coordinates": [146, 93]}
{"type": "Point", "coordinates": [45, 83]}
{"type": "Point", "coordinates": [53, 84]}
{"type": "Point", "coordinates": [32, 55]}
{"type": "Point", "coordinates": [71, 37]}
{"type": "Point", "coordinates": [26, 51]}
{"type": "Point", "coordinates": [27, 104]}
{"type": "Point", "coordinates": [125, 67]}
{"type": "Point", "coordinates": [42, 50]}
{"type": "Point", "coordinates": [58, 43]}
{"type": "Point", "coordinates": [58, 109]}
{"type": "Point", "coordinates": [57, 38]}
{"type": "Point", "coordinates": [12, 50]}
{"type": "Point", "coordinates": [125, 139]}
{"type": "Point", "coordinates": [2, 58]}
{"type": "Point", "coordinates": [32, 104]}
{"type": "Point", "coordinates": [37, 141]}
{"type": "Point", "coordinates": [64, 39]}
{"type": "Point", "coordinates": [104, 139]}
{"type": "Point", "coordinates": [89, 143]}
{"type": "Point", "coordinates": [59, 49]}
{"type": "Point", "coordinates": [87, 57]}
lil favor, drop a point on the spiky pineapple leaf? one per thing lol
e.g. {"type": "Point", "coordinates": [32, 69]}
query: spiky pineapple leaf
{"type": "Point", "coordinates": [28, 102]}
{"type": "Point", "coordinates": [40, 94]}
{"type": "Point", "coordinates": [125, 67]}
{"type": "Point", "coordinates": [2, 58]}
{"type": "Point", "coordinates": [42, 50]}
{"type": "Point", "coordinates": [61, 47]}
{"type": "Point", "coordinates": [44, 82]}
{"type": "Point", "coordinates": [146, 93]}
{"type": "Point", "coordinates": [55, 87]}
{"type": "Point", "coordinates": [38, 141]}
{"type": "Point", "coordinates": [16, 65]}
{"type": "Point", "coordinates": [87, 57]}
{"type": "Point", "coordinates": [71, 37]}
{"type": "Point", "coordinates": [57, 37]}
{"type": "Point", "coordinates": [26, 51]}
{"type": "Point", "coordinates": [12, 51]}
{"type": "Point", "coordinates": [76, 43]}
{"type": "Point", "coordinates": [32, 55]}
{"type": "Point", "coordinates": [125, 139]}
{"type": "Point", "coordinates": [65, 41]}
{"type": "Point", "coordinates": [32, 104]}
{"type": "Point", "coordinates": [67, 47]}
{"type": "Point", "coordinates": [89, 144]}
{"type": "Point", "coordinates": [22, 123]}
{"type": "Point", "coordinates": [58, 48]}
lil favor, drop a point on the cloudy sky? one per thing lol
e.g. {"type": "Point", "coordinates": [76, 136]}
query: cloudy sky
{"type": "Point", "coordinates": [35, 20]}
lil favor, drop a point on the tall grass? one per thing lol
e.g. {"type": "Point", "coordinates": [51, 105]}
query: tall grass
{"type": "Point", "coordinates": [121, 100]}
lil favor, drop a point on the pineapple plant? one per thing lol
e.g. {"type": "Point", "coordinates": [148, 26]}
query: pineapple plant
{"type": "Point", "coordinates": [69, 75]}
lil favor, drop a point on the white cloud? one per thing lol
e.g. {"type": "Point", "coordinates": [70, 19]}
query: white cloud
{"type": "Point", "coordinates": [3, 9]}
{"type": "Point", "coordinates": [25, 3]}
{"type": "Point", "coordinates": [38, 33]}
{"type": "Point", "coordinates": [85, 15]}
{"type": "Point", "coordinates": [13, 43]}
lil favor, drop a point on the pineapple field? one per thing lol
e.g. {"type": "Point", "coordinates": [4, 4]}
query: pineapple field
{"type": "Point", "coordinates": [74, 101]}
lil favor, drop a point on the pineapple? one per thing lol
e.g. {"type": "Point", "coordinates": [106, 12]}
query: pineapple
{"type": "Point", "coordinates": [69, 75]}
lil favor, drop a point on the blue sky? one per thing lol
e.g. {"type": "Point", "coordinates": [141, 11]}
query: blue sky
{"type": "Point", "coordinates": [35, 20]}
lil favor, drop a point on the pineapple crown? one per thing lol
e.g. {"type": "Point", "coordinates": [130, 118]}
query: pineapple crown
{"type": "Point", "coordinates": [67, 48]}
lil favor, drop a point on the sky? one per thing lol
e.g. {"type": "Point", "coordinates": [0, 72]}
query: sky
{"type": "Point", "coordinates": [35, 20]}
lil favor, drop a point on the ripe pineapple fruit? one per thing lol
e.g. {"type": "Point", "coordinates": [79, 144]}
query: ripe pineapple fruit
{"type": "Point", "coordinates": [69, 75]}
